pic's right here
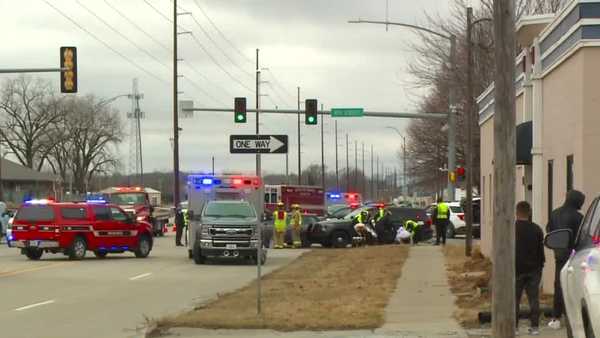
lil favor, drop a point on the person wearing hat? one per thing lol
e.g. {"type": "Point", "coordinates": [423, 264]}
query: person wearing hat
{"type": "Point", "coordinates": [279, 224]}
{"type": "Point", "coordinates": [296, 226]}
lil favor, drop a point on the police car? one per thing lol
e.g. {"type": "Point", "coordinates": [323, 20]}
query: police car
{"type": "Point", "coordinates": [46, 226]}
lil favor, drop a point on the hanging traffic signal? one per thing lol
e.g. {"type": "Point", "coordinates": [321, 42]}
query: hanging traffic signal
{"type": "Point", "coordinates": [68, 74]}
{"type": "Point", "coordinates": [460, 173]}
{"type": "Point", "coordinates": [240, 110]}
{"type": "Point", "coordinates": [310, 114]}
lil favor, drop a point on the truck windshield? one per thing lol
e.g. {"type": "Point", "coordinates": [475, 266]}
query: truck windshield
{"type": "Point", "coordinates": [219, 209]}
{"type": "Point", "coordinates": [128, 198]}
{"type": "Point", "coordinates": [34, 213]}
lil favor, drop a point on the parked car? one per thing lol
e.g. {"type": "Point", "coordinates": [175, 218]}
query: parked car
{"type": "Point", "coordinates": [457, 224]}
{"type": "Point", "coordinates": [339, 232]}
{"type": "Point", "coordinates": [341, 212]}
{"type": "Point", "coordinates": [308, 221]}
{"type": "Point", "coordinates": [580, 277]}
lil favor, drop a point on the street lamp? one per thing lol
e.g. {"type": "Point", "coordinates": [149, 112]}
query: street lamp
{"type": "Point", "coordinates": [404, 185]}
{"type": "Point", "coordinates": [451, 95]}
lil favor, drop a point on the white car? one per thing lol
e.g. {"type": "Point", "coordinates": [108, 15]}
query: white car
{"type": "Point", "coordinates": [580, 277]}
{"type": "Point", "coordinates": [457, 225]}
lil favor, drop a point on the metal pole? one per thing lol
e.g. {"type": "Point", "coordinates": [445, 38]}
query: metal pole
{"type": "Point", "coordinates": [1, 184]}
{"type": "Point", "coordinates": [377, 180]}
{"type": "Point", "coordinates": [355, 165]}
{"type": "Point", "coordinates": [175, 117]}
{"type": "Point", "coordinates": [322, 150]}
{"type": "Point", "coordinates": [258, 164]}
{"type": "Point", "coordinates": [287, 168]}
{"type": "Point", "coordinates": [299, 144]}
{"type": "Point", "coordinates": [404, 186]}
{"type": "Point", "coordinates": [347, 167]}
{"type": "Point", "coordinates": [337, 173]}
{"type": "Point", "coordinates": [470, 149]}
{"type": "Point", "coordinates": [398, 115]}
{"type": "Point", "coordinates": [452, 119]}
{"type": "Point", "coordinates": [213, 166]}
{"type": "Point", "coordinates": [31, 70]}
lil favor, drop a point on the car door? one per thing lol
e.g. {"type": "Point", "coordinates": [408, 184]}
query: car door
{"type": "Point", "coordinates": [123, 230]}
{"type": "Point", "coordinates": [576, 271]}
{"type": "Point", "coordinates": [102, 227]}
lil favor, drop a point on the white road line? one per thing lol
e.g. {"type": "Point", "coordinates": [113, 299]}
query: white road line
{"type": "Point", "coordinates": [144, 275]}
{"type": "Point", "coordinates": [34, 305]}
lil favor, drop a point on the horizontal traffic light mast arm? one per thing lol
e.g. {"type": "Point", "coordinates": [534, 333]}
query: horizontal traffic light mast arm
{"type": "Point", "coordinates": [401, 115]}
{"type": "Point", "coordinates": [32, 70]}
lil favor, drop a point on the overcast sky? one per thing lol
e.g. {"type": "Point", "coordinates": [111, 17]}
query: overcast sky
{"type": "Point", "coordinates": [306, 43]}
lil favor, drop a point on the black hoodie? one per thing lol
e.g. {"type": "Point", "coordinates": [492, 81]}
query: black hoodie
{"type": "Point", "coordinates": [567, 217]}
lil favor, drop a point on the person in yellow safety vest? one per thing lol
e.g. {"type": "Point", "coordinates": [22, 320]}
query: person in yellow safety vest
{"type": "Point", "coordinates": [360, 222]}
{"type": "Point", "coordinates": [414, 229]}
{"type": "Point", "coordinates": [186, 218]}
{"type": "Point", "coordinates": [296, 226]}
{"type": "Point", "coordinates": [279, 225]}
{"type": "Point", "coordinates": [440, 217]}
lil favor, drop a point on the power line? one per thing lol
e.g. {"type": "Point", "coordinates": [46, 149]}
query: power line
{"type": "Point", "coordinates": [122, 35]}
{"type": "Point", "coordinates": [148, 35]}
{"type": "Point", "coordinates": [197, 86]}
{"type": "Point", "coordinates": [284, 90]}
{"type": "Point", "coordinates": [218, 64]}
{"type": "Point", "coordinates": [205, 78]}
{"type": "Point", "coordinates": [247, 59]}
{"type": "Point", "coordinates": [158, 11]}
{"type": "Point", "coordinates": [277, 93]}
{"type": "Point", "coordinates": [104, 43]}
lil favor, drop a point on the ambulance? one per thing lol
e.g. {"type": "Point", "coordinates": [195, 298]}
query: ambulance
{"type": "Point", "coordinates": [225, 213]}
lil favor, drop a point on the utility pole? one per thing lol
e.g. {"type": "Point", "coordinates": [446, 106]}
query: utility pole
{"type": "Point", "coordinates": [347, 167]}
{"type": "Point", "coordinates": [377, 180]}
{"type": "Point", "coordinates": [372, 176]}
{"type": "Point", "coordinates": [175, 117]}
{"type": "Point", "coordinates": [258, 164]}
{"type": "Point", "coordinates": [299, 144]}
{"type": "Point", "coordinates": [136, 166]}
{"type": "Point", "coordinates": [337, 173]}
{"type": "Point", "coordinates": [404, 185]}
{"type": "Point", "coordinates": [213, 166]}
{"type": "Point", "coordinates": [355, 165]}
{"type": "Point", "coordinates": [322, 151]}
{"type": "Point", "coordinates": [364, 176]}
{"type": "Point", "coordinates": [503, 248]}
{"type": "Point", "coordinates": [469, 121]}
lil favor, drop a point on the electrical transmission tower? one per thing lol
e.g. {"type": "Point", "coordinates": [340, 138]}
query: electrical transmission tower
{"type": "Point", "coordinates": [136, 167]}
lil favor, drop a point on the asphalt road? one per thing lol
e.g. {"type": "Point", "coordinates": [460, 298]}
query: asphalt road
{"type": "Point", "coordinates": [58, 298]}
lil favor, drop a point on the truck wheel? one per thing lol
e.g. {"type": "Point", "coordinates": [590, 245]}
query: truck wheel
{"type": "Point", "coordinates": [100, 254]}
{"type": "Point", "coordinates": [197, 254]}
{"type": "Point", "coordinates": [450, 233]}
{"type": "Point", "coordinates": [340, 239]}
{"type": "Point", "coordinates": [144, 246]}
{"type": "Point", "coordinates": [78, 248]}
{"type": "Point", "coordinates": [34, 254]}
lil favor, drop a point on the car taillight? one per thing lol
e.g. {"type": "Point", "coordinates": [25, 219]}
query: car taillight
{"type": "Point", "coordinates": [461, 216]}
{"type": "Point", "coordinates": [428, 222]}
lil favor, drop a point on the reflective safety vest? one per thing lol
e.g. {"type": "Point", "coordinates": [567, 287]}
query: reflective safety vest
{"type": "Point", "coordinates": [443, 211]}
{"type": "Point", "coordinates": [360, 219]}
{"type": "Point", "coordinates": [297, 218]}
{"type": "Point", "coordinates": [186, 218]}
{"type": "Point", "coordinates": [411, 225]}
{"type": "Point", "coordinates": [280, 218]}
{"type": "Point", "coordinates": [380, 214]}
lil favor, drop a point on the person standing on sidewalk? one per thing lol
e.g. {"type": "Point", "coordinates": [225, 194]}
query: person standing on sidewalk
{"type": "Point", "coordinates": [440, 216]}
{"type": "Point", "coordinates": [530, 259]}
{"type": "Point", "coordinates": [565, 217]}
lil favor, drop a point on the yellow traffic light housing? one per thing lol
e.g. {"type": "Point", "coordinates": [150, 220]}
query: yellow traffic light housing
{"type": "Point", "coordinates": [68, 65]}
{"type": "Point", "coordinates": [452, 176]}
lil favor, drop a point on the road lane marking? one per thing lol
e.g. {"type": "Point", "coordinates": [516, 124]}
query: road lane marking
{"type": "Point", "coordinates": [18, 272]}
{"type": "Point", "coordinates": [27, 307]}
{"type": "Point", "coordinates": [144, 275]}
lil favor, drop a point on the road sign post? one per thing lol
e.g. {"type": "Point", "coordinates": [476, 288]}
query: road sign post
{"type": "Point", "coordinates": [258, 144]}
{"type": "Point", "coordinates": [347, 112]}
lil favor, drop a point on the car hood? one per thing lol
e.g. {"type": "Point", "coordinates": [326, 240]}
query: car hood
{"type": "Point", "coordinates": [335, 222]}
{"type": "Point", "coordinates": [237, 221]}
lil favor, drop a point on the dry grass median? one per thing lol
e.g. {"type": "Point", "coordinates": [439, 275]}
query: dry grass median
{"type": "Point", "coordinates": [322, 290]}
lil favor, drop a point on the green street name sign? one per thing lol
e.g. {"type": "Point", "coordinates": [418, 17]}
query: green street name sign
{"type": "Point", "coordinates": [347, 112]}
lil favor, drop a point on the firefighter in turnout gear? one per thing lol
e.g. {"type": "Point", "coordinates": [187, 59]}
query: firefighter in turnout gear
{"type": "Point", "coordinates": [296, 226]}
{"type": "Point", "coordinates": [415, 230]}
{"type": "Point", "coordinates": [279, 225]}
{"type": "Point", "coordinates": [360, 222]}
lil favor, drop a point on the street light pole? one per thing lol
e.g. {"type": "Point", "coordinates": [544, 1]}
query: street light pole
{"type": "Point", "coordinates": [347, 167]}
{"type": "Point", "coordinates": [322, 151]}
{"type": "Point", "coordinates": [299, 144]}
{"type": "Point", "coordinates": [337, 172]}
{"type": "Point", "coordinates": [175, 116]}
{"type": "Point", "coordinates": [451, 95]}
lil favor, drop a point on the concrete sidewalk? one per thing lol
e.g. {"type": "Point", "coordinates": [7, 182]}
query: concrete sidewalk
{"type": "Point", "coordinates": [420, 307]}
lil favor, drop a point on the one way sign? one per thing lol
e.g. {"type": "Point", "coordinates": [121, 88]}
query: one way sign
{"type": "Point", "coordinates": [258, 144]}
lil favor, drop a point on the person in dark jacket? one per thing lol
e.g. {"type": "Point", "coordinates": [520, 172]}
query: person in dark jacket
{"type": "Point", "coordinates": [565, 217]}
{"type": "Point", "coordinates": [180, 224]}
{"type": "Point", "coordinates": [530, 259]}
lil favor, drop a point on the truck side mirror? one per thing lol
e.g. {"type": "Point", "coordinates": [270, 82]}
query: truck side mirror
{"type": "Point", "coordinates": [558, 239]}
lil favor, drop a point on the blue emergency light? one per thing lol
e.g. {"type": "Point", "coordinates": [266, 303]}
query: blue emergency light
{"type": "Point", "coordinates": [334, 196]}
{"type": "Point", "coordinates": [207, 181]}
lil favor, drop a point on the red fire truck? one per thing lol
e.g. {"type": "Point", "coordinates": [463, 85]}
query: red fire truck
{"type": "Point", "coordinates": [311, 199]}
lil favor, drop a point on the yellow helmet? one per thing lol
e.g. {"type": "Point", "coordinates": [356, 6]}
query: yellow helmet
{"type": "Point", "coordinates": [280, 204]}
{"type": "Point", "coordinates": [295, 206]}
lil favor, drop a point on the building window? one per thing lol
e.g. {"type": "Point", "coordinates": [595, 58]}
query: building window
{"type": "Point", "coordinates": [569, 172]}
{"type": "Point", "coordinates": [550, 186]}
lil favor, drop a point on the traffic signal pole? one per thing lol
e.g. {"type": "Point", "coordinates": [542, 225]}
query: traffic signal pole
{"type": "Point", "coordinates": [258, 163]}
{"type": "Point", "coordinates": [176, 200]}
{"type": "Point", "coordinates": [299, 143]}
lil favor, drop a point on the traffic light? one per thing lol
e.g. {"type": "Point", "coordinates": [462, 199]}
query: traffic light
{"type": "Point", "coordinates": [310, 114]}
{"type": "Point", "coordinates": [460, 173]}
{"type": "Point", "coordinates": [68, 74]}
{"type": "Point", "coordinates": [452, 176]}
{"type": "Point", "coordinates": [240, 110]}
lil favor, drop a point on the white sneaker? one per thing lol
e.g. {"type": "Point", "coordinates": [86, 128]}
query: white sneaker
{"type": "Point", "coordinates": [554, 324]}
{"type": "Point", "coordinates": [534, 331]}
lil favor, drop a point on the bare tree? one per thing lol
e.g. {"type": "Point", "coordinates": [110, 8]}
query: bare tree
{"type": "Point", "coordinates": [30, 115]}
{"type": "Point", "coordinates": [94, 131]}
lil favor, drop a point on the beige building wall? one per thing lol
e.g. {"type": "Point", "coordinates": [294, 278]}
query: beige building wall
{"type": "Point", "coordinates": [487, 183]}
{"type": "Point", "coordinates": [587, 168]}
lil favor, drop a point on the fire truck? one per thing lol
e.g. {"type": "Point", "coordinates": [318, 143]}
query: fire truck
{"type": "Point", "coordinates": [225, 212]}
{"type": "Point", "coordinates": [310, 199]}
{"type": "Point", "coordinates": [135, 202]}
